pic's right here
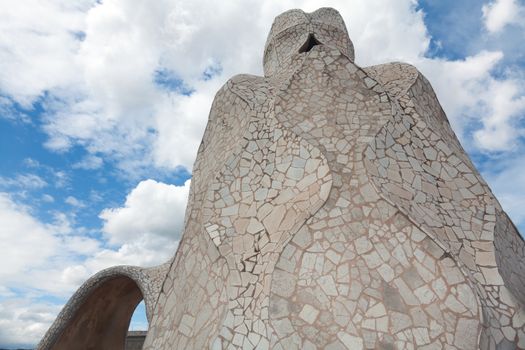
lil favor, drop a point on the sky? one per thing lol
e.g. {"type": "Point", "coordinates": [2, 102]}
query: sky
{"type": "Point", "coordinates": [103, 105]}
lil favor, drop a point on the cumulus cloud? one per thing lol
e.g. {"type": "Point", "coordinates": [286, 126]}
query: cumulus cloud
{"type": "Point", "coordinates": [500, 13]}
{"type": "Point", "coordinates": [46, 36]}
{"type": "Point", "coordinates": [18, 233]}
{"type": "Point", "coordinates": [486, 112]}
{"type": "Point", "coordinates": [33, 249]}
{"type": "Point", "coordinates": [504, 103]}
{"type": "Point", "coordinates": [184, 133]}
{"type": "Point", "coordinates": [150, 208]}
{"type": "Point", "coordinates": [460, 84]}
{"type": "Point", "coordinates": [23, 321]}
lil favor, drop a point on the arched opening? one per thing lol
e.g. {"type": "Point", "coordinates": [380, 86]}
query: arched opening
{"type": "Point", "coordinates": [103, 319]}
{"type": "Point", "coordinates": [138, 328]}
{"type": "Point", "coordinates": [309, 44]}
{"type": "Point", "coordinates": [139, 320]}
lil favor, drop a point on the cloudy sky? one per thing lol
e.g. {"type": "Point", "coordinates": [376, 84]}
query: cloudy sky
{"type": "Point", "coordinates": [103, 105]}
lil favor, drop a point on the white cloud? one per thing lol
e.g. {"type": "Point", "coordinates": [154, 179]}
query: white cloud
{"type": "Point", "coordinates": [459, 85]}
{"type": "Point", "coordinates": [151, 208]}
{"type": "Point", "coordinates": [500, 13]}
{"type": "Point", "coordinates": [473, 98]}
{"type": "Point", "coordinates": [22, 181]}
{"type": "Point", "coordinates": [19, 232]}
{"type": "Point", "coordinates": [61, 178]}
{"type": "Point", "coordinates": [38, 46]}
{"type": "Point", "coordinates": [74, 202]}
{"type": "Point", "coordinates": [90, 162]}
{"type": "Point", "coordinates": [34, 250]}
{"type": "Point", "coordinates": [145, 251]}
{"type": "Point", "coordinates": [185, 134]}
{"type": "Point", "coordinates": [23, 321]}
{"type": "Point", "coordinates": [505, 105]}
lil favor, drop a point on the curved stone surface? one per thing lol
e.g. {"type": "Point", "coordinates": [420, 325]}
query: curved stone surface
{"type": "Point", "coordinates": [352, 276]}
{"type": "Point", "coordinates": [97, 316]}
{"type": "Point", "coordinates": [417, 163]}
{"type": "Point", "coordinates": [263, 195]}
{"type": "Point", "coordinates": [331, 207]}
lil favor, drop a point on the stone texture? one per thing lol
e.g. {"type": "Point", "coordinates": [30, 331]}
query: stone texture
{"type": "Point", "coordinates": [331, 207]}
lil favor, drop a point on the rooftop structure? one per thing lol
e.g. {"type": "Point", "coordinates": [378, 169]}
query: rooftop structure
{"type": "Point", "coordinates": [331, 207]}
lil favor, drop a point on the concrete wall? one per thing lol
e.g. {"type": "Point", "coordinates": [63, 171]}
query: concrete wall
{"type": "Point", "coordinates": [135, 340]}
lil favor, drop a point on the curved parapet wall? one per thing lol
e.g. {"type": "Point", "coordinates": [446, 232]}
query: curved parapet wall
{"type": "Point", "coordinates": [97, 316]}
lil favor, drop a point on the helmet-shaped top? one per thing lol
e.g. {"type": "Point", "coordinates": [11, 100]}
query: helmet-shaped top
{"type": "Point", "coordinates": [296, 31]}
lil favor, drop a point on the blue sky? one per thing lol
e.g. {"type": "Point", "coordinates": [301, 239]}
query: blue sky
{"type": "Point", "coordinates": [103, 104]}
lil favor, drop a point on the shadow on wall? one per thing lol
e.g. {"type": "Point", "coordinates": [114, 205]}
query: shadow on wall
{"type": "Point", "coordinates": [103, 319]}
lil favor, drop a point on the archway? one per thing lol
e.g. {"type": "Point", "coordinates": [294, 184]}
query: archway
{"type": "Point", "coordinates": [102, 321]}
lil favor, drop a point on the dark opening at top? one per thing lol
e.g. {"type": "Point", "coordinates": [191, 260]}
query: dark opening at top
{"type": "Point", "coordinates": [310, 42]}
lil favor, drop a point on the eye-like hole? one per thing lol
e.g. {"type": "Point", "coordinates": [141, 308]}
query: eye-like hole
{"type": "Point", "coordinates": [309, 44]}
